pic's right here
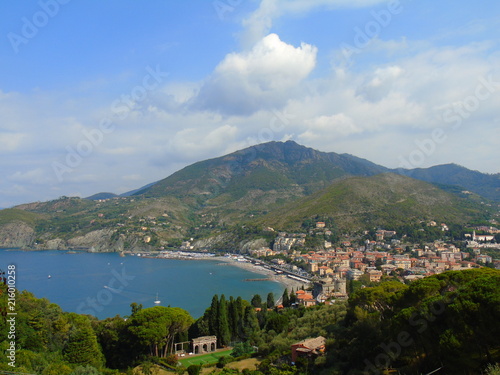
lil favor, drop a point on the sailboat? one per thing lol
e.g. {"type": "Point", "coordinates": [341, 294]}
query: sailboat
{"type": "Point", "coordinates": [157, 301]}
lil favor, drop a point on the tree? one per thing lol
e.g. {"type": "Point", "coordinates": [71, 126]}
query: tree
{"type": "Point", "coordinates": [115, 340]}
{"type": "Point", "coordinates": [256, 301]}
{"type": "Point", "coordinates": [235, 312]}
{"type": "Point", "coordinates": [250, 323]}
{"type": "Point", "coordinates": [223, 334]}
{"type": "Point", "coordinates": [293, 297]}
{"type": "Point", "coordinates": [194, 369]}
{"type": "Point", "coordinates": [85, 370]}
{"type": "Point", "coordinates": [135, 307]}
{"type": "Point", "coordinates": [270, 300]}
{"type": "Point", "coordinates": [156, 327]}
{"type": "Point", "coordinates": [285, 299]}
{"type": "Point", "coordinates": [241, 348]}
{"type": "Point", "coordinates": [213, 317]}
{"type": "Point", "coordinates": [82, 347]}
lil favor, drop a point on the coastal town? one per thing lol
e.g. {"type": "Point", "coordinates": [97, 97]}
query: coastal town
{"type": "Point", "coordinates": [327, 273]}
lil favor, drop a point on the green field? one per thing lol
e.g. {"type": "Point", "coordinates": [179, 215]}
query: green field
{"type": "Point", "coordinates": [204, 359]}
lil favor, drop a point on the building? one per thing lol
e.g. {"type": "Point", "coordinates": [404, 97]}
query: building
{"type": "Point", "coordinates": [354, 274]}
{"type": "Point", "coordinates": [330, 288]}
{"type": "Point", "coordinates": [309, 348]}
{"type": "Point", "coordinates": [375, 275]}
{"type": "Point", "coordinates": [305, 299]}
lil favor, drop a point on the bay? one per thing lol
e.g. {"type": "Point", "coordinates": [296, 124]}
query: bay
{"type": "Point", "coordinates": [105, 284]}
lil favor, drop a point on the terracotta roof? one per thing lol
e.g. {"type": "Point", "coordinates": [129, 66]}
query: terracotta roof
{"type": "Point", "coordinates": [313, 343]}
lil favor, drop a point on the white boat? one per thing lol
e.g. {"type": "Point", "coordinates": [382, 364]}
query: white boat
{"type": "Point", "coordinates": [157, 301]}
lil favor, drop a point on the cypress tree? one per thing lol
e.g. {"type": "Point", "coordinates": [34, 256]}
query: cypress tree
{"type": "Point", "coordinates": [256, 301]}
{"type": "Point", "coordinates": [285, 299]}
{"type": "Point", "coordinates": [250, 323]}
{"type": "Point", "coordinates": [234, 317]}
{"type": "Point", "coordinates": [223, 334]}
{"type": "Point", "coordinates": [270, 300]}
{"type": "Point", "coordinates": [240, 309]}
{"type": "Point", "coordinates": [213, 320]}
{"type": "Point", "coordinates": [293, 297]}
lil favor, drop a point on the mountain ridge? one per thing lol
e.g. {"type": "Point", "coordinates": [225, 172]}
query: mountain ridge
{"type": "Point", "coordinates": [208, 197]}
{"type": "Point", "coordinates": [291, 154]}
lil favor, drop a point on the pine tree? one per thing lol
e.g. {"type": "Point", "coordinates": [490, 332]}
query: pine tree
{"type": "Point", "coordinates": [82, 347]}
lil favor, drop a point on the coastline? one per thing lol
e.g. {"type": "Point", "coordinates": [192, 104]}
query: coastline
{"type": "Point", "coordinates": [286, 282]}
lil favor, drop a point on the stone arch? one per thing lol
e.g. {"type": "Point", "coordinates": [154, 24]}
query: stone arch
{"type": "Point", "coordinates": [204, 344]}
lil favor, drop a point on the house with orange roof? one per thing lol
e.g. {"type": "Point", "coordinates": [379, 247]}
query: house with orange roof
{"type": "Point", "coordinates": [309, 348]}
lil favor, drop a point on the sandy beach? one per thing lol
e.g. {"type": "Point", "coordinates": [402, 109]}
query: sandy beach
{"type": "Point", "coordinates": [282, 279]}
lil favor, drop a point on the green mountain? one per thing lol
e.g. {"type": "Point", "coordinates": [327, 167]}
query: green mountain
{"type": "Point", "coordinates": [385, 200]}
{"type": "Point", "coordinates": [486, 185]}
{"type": "Point", "coordinates": [258, 178]}
{"type": "Point", "coordinates": [283, 180]}
{"type": "Point", "coordinates": [287, 165]}
{"type": "Point", "coordinates": [104, 195]}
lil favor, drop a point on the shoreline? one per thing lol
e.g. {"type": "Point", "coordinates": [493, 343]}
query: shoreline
{"type": "Point", "coordinates": [285, 281]}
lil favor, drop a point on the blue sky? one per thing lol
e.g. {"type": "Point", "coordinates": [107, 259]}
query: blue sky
{"type": "Point", "coordinates": [109, 96]}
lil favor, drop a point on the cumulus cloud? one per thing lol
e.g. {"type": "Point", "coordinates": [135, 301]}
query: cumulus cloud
{"type": "Point", "coordinates": [262, 78]}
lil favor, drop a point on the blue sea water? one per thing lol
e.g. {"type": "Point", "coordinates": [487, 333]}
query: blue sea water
{"type": "Point", "coordinates": [105, 284]}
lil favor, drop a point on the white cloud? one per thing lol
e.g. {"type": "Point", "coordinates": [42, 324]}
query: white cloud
{"type": "Point", "coordinates": [381, 83]}
{"type": "Point", "coordinates": [260, 22]}
{"type": "Point", "coordinates": [197, 143]}
{"type": "Point", "coordinates": [33, 176]}
{"type": "Point", "coordinates": [338, 125]}
{"type": "Point", "coordinates": [263, 78]}
{"type": "Point", "coordinates": [10, 142]}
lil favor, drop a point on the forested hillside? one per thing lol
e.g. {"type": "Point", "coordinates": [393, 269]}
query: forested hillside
{"type": "Point", "coordinates": [447, 321]}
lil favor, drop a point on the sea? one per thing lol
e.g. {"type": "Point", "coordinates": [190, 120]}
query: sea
{"type": "Point", "coordinates": [105, 284]}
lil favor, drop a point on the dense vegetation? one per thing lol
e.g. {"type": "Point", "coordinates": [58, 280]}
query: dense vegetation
{"type": "Point", "coordinates": [447, 321]}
